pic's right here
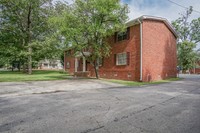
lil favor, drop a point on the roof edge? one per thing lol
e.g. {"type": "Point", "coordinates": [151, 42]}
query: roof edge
{"type": "Point", "coordinates": [144, 17]}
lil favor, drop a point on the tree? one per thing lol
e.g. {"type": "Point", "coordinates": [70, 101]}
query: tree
{"type": "Point", "coordinates": [186, 55]}
{"type": "Point", "coordinates": [23, 24]}
{"type": "Point", "coordinates": [87, 24]}
{"type": "Point", "coordinates": [187, 31]}
{"type": "Point", "coordinates": [189, 38]}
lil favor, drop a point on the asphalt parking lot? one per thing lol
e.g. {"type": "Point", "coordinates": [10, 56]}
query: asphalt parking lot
{"type": "Point", "coordinates": [92, 106]}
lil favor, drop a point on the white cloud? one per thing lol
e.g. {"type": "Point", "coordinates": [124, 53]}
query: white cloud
{"type": "Point", "coordinates": [160, 8]}
{"type": "Point", "coordinates": [169, 11]}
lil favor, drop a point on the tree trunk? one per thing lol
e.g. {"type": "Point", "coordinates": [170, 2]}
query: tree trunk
{"type": "Point", "coordinates": [96, 68]}
{"type": "Point", "coordinates": [30, 61]}
{"type": "Point", "coordinates": [96, 71]}
{"type": "Point", "coordinates": [29, 41]}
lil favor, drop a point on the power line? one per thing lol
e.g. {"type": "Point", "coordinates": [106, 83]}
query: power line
{"type": "Point", "coordinates": [182, 6]}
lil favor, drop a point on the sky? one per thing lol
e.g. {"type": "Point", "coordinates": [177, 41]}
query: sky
{"type": "Point", "coordinates": [159, 8]}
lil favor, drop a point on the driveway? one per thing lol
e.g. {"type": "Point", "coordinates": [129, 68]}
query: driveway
{"type": "Point", "coordinates": [92, 106]}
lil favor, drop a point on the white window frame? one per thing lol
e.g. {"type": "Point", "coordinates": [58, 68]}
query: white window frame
{"type": "Point", "coordinates": [122, 60]}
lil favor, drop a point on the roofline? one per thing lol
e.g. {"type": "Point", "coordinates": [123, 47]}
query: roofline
{"type": "Point", "coordinates": [146, 17]}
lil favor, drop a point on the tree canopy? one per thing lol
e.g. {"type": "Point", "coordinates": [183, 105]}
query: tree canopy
{"type": "Point", "coordinates": [187, 31]}
{"type": "Point", "coordinates": [25, 33]}
{"type": "Point", "coordinates": [86, 25]}
{"type": "Point", "coordinates": [189, 38]}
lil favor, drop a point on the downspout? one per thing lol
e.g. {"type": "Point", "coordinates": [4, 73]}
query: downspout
{"type": "Point", "coordinates": [140, 49]}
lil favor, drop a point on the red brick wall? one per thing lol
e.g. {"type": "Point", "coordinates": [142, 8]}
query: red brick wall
{"type": "Point", "coordinates": [71, 61]}
{"type": "Point", "coordinates": [109, 69]}
{"type": "Point", "coordinates": [125, 72]}
{"type": "Point", "coordinates": [159, 51]}
{"type": "Point", "coordinates": [197, 70]}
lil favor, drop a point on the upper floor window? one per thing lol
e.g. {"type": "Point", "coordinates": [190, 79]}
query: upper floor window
{"type": "Point", "coordinates": [120, 36]}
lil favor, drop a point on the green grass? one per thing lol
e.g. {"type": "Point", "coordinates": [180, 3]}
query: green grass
{"type": "Point", "coordinates": [134, 83]}
{"type": "Point", "coordinates": [38, 75]}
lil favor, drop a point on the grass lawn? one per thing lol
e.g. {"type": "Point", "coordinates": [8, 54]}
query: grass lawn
{"type": "Point", "coordinates": [38, 75]}
{"type": "Point", "coordinates": [133, 83]}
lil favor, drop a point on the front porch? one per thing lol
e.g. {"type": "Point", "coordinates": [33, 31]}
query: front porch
{"type": "Point", "coordinates": [81, 65]}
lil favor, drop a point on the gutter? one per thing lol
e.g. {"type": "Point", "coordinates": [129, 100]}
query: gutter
{"type": "Point", "coordinates": [133, 22]}
{"type": "Point", "coordinates": [140, 48]}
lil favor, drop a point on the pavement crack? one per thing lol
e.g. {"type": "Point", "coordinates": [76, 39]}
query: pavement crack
{"type": "Point", "coordinates": [92, 129]}
{"type": "Point", "coordinates": [49, 92]}
{"type": "Point", "coordinates": [145, 109]}
{"type": "Point", "coordinates": [168, 100]}
{"type": "Point", "coordinates": [118, 99]}
{"type": "Point", "coordinates": [108, 109]}
{"type": "Point", "coordinates": [98, 123]}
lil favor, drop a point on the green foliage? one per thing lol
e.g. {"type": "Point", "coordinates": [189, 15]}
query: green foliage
{"type": "Point", "coordinates": [195, 29]}
{"type": "Point", "coordinates": [189, 38]}
{"type": "Point", "coordinates": [25, 33]}
{"type": "Point", "coordinates": [186, 55]}
{"type": "Point", "coordinates": [62, 59]}
{"type": "Point", "coordinates": [87, 24]}
{"type": "Point", "coordinates": [187, 31]}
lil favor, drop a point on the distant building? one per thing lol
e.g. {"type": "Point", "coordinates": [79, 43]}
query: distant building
{"type": "Point", "coordinates": [196, 70]}
{"type": "Point", "coordinates": [50, 64]}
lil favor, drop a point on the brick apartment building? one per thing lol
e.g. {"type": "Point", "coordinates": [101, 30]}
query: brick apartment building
{"type": "Point", "coordinates": [145, 52]}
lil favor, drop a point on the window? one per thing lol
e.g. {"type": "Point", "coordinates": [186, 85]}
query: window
{"type": "Point", "coordinates": [120, 36]}
{"type": "Point", "coordinates": [121, 59]}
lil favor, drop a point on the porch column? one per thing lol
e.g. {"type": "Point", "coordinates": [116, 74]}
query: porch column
{"type": "Point", "coordinates": [76, 64]}
{"type": "Point", "coordinates": [64, 67]}
{"type": "Point", "coordinates": [84, 67]}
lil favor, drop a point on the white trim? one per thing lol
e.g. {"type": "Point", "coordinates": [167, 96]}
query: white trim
{"type": "Point", "coordinates": [141, 41]}
{"type": "Point", "coordinates": [80, 54]}
{"type": "Point", "coordinates": [76, 65]}
{"type": "Point", "coordinates": [84, 64]}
